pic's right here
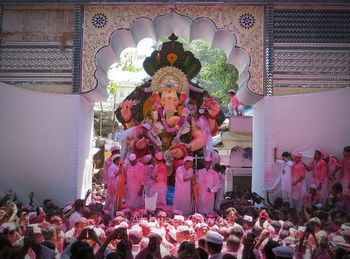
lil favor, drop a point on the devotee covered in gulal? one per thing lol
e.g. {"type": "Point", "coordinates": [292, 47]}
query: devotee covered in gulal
{"type": "Point", "coordinates": [319, 173]}
{"type": "Point", "coordinates": [182, 195]}
{"type": "Point", "coordinates": [135, 181]}
{"type": "Point", "coordinates": [113, 177]}
{"type": "Point", "coordinates": [147, 162]}
{"type": "Point", "coordinates": [114, 150]}
{"type": "Point", "coordinates": [159, 179]}
{"type": "Point", "coordinates": [209, 184]}
{"type": "Point", "coordinates": [298, 181]}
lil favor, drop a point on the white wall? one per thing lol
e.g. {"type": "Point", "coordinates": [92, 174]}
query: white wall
{"type": "Point", "coordinates": [298, 123]}
{"type": "Point", "coordinates": [45, 142]}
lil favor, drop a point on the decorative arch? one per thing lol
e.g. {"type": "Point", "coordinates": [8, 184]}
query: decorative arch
{"type": "Point", "coordinates": [200, 28]}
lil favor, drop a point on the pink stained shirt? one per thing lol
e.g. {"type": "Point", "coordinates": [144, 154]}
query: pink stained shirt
{"type": "Point", "coordinates": [207, 179]}
{"type": "Point", "coordinates": [298, 171]}
{"type": "Point", "coordinates": [319, 171]}
{"type": "Point", "coordinates": [182, 194]}
{"type": "Point", "coordinates": [234, 101]}
{"type": "Point", "coordinates": [160, 186]}
{"type": "Point", "coordinates": [112, 176]}
{"type": "Point", "coordinates": [135, 178]}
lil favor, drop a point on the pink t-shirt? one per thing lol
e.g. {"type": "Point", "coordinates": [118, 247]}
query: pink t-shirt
{"type": "Point", "coordinates": [234, 101]}
{"type": "Point", "coordinates": [298, 171]}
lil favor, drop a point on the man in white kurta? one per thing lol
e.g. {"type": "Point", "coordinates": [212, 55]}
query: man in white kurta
{"type": "Point", "coordinates": [135, 181]}
{"type": "Point", "coordinates": [285, 174]}
{"type": "Point", "coordinates": [114, 150]}
{"type": "Point", "coordinates": [183, 195]}
{"type": "Point", "coordinates": [209, 184]}
{"type": "Point", "coordinates": [219, 194]}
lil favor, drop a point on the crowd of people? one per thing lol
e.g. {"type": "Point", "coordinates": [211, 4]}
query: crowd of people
{"type": "Point", "coordinates": [129, 182]}
{"type": "Point", "coordinates": [116, 222]}
{"type": "Point", "coordinates": [329, 187]}
{"type": "Point", "coordinates": [242, 231]}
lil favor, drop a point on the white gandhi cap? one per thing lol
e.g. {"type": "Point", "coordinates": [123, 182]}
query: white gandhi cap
{"type": "Point", "coordinates": [214, 237]}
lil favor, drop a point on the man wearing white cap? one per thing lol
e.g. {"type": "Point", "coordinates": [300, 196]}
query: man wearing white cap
{"type": "Point", "coordinates": [182, 234]}
{"type": "Point", "coordinates": [114, 150]}
{"type": "Point", "coordinates": [135, 181]}
{"type": "Point", "coordinates": [283, 252]}
{"type": "Point", "coordinates": [214, 244]}
{"type": "Point", "coordinates": [209, 184]}
{"type": "Point", "coordinates": [153, 250]}
{"type": "Point", "coordinates": [183, 177]}
{"type": "Point", "coordinates": [112, 174]}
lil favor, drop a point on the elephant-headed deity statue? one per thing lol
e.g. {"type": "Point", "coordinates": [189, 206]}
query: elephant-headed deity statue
{"type": "Point", "coordinates": [169, 112]}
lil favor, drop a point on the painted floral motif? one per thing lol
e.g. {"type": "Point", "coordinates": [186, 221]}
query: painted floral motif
{"type": "Point", "coordinates": [247, 20]}
{"type": "Point", "coordinates": [99, 20]}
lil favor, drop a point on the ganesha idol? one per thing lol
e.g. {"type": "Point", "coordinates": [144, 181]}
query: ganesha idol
{"type": "Point", "coordinates": [169, 113]}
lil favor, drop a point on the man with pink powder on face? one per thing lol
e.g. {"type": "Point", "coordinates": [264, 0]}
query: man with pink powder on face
{"type": "Point", "coordinates": [319, 171]}
{"type": "Point", "coordinates": [298, 181]}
